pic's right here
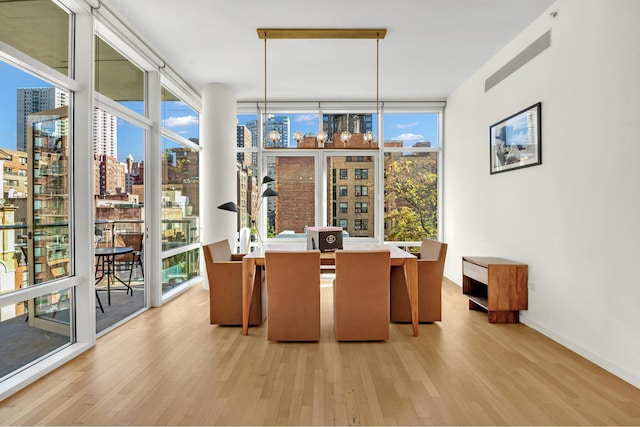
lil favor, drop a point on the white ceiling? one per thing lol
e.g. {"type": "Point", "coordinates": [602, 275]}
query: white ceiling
{"type": "Point", "coordinates": [431, 47]}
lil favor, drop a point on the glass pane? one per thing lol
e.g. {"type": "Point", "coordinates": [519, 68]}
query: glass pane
{"type": "Point", "coordinates": [277, 132]}
{"type": "Point", "coordinates": [294, 209]}
{"type": "Point", "coordinates": [33, 329]}
{"type": "Point", "coordinates": [117, 78]}
{"type": "Point", "coordinates": [352, 130]}
{"type": "Point", "coordinates": [411, 196]}
{"type": "Point", "coordinates": [350, 184]}
{"type": "Point", "coordinates": [179, 117]}
{"type": "Point", "coordinates": [179, 268]}
{"type": "Point", "coordinates": [46, 114]}
{"type": "Point", "coordinates": [247, 166]}
{"type": "Point", "coordinates": [247, 131]}
{"type": "Point", "coordinates": [38, 28]}
{"type": "Point", "coordinates": [411, 130]}
{"type": "Point", "coordinates": [119, 217]}
{"type": "Point", "coordinates": [13, 128]}
{"type": "Point", "coordinates": [180, 187]}
{"type": "Point", "coordinates": [304, 128]}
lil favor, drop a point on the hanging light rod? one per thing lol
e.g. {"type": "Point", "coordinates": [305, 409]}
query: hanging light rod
{"type": "Point", "coordinates": [321, 33]}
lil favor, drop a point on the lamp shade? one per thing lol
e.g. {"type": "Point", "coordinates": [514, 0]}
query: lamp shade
{"type": "Point", "coordinates": [270, 192]}
{"type": "Point", "coordinates": [267, 179]}
{"type": "Point", "coordinates": [229, 206]}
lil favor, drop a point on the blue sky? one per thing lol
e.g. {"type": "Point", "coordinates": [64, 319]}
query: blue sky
{"type": "Point", "coordinates": [181, 119]}
{"type": "Point", "coordinates": [11, 79]}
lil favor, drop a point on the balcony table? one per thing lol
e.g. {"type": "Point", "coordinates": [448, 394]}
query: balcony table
{"type": "Point", "coordinates": [106, 258]}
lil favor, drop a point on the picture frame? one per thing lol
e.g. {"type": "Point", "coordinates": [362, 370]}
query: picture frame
{"type": "Point", "coordinates": [515, 142]}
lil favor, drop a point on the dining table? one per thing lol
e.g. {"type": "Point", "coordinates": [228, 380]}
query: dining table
{"type": "Point", "coordinates": [399, 257]}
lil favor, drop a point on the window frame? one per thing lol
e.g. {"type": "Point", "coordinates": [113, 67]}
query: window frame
{"type": "Point", "coordinates": [377, 154]}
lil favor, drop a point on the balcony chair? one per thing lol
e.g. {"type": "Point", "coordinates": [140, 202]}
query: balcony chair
{"type": "Point", "coordinates": [361, 295]}
{"type": "Point", "coordinates": [293, 295]}
{"type": "Point", "coordinates": [224, 273]}
{"type": "Point", "coordinates": [430, 271]}
{"type": "Point", "coordinates": [135, 241]}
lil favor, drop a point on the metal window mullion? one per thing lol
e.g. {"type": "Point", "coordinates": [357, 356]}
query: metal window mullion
{"type": "Point", "coordinates": [35, 291]}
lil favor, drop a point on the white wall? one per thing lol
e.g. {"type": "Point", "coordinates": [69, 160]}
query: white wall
{"type": "Point", "coordinates": [575, 219]}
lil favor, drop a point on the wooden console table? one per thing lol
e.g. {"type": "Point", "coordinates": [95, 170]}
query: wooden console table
{"type": "Point", "coordinates": [496, 285]}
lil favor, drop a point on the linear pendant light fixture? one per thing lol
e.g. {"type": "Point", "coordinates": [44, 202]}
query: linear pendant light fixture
{"type": "Point", "coordinates": [320, 33]}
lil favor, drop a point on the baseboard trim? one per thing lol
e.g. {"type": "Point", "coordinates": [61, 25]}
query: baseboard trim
{"type": "Point", "coordinates": [605, 364]}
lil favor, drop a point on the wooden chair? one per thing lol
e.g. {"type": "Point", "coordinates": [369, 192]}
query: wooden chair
{"type": "Point", "coordinates": [361, 295]}
{"type": "Point", "coordinates": [430, 271]}
{"type": "Point", "coordinates": [224, 272]}
{"type": "Point", "coordinates": [293, 295]}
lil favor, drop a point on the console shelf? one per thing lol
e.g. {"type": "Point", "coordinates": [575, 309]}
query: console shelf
{"type": "Point", "coordinates": [497, 286]}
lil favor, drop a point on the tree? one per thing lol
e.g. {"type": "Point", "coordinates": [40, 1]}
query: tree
{"type": "Point", "coordinates": [411, 197]}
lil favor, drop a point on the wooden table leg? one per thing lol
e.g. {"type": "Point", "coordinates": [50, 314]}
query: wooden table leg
{"type": "Point", "coordinates": [411, 279]}
{"type": "Point", "coordinates": [248, 275]}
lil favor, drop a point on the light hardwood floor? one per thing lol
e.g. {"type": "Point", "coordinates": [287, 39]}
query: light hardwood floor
{"type": "Point", "coordinates": [170, 367]}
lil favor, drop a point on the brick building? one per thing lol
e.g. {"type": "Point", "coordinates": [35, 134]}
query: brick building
{"type": "Point", "coordinates": [295, 207]}
{"type": "Point", "coordinates": [110, 175]}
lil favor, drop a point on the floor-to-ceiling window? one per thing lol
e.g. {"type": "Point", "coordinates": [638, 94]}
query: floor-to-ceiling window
{"type": "Point", "coordinates": [80, 128]}
{"type": "Point", "coordinates": [293, 209]}
{"type": "Point", "coordinates": [351, 195]}
{"type": "Point", "coordinates": [37, 303]}
{"type": "Point", "coordinates": [180, 209]}
{"type": "Point", "coordinates": [119, 137]}
{"type": "Point", "coordinates": [330, 169]}
{"type": "Point", "coordinates": [411, 176]}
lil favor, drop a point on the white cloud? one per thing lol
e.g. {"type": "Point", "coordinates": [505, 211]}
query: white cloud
{"type": "Point", "coordinates": [306, 118]}
{"type": "Point", "coordinates": [177, 122]}
{"type": "Point", "coordinates": [407, 125]}
{"type": "Point", "coordinates": [408, 137]}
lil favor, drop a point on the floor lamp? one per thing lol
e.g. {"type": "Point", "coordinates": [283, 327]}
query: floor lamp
{"type": "Point", "coordinates": [245, 232]}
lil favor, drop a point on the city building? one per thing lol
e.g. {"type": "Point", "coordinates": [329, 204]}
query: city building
{"type": "Point", "coordinates": [244, 139]}
{"type": "Point", "coordinates": [110, 176]}
{"type": "Point", "coordinates": [275, 122]}
{"type": "Point", "coordinates": [352, 196]}
{"type": "Point", "coordinates": [105, 134]}
{"type": "Point", "coordinates": [35, 100]}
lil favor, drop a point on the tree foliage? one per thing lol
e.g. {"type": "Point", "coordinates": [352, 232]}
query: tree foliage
{"type": "Point", "coordinates": [411, 198]}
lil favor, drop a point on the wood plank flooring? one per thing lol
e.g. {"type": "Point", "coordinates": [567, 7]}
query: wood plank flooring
{"type": "Point", "coordinates": [170, 367]}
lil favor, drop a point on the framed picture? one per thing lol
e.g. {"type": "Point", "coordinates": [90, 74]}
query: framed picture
{"type": "Point", "coordinates": [515, 141]}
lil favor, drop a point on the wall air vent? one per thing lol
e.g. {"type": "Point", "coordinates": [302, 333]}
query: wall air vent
{"type": "Point", "coordinates": [543, 42]}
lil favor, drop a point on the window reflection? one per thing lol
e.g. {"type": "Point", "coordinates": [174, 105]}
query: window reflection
{"type": "Point", "coordinates": [179, 268]}
{"type": "Point", "coordinates": [180, 186]}
{"type": "Point", "coordinates": [34, 205]}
